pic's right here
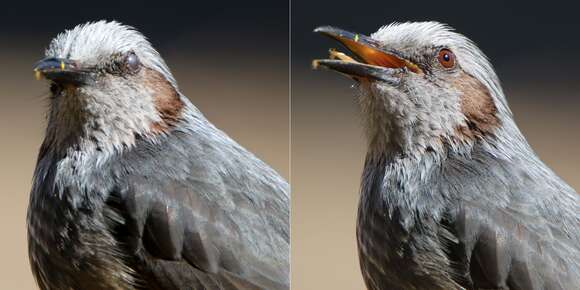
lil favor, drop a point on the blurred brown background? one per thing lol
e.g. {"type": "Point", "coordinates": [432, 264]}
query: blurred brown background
{"type": "Point", "coordinates": [229, 58]}
{"type": "Point", "coordinates": [534, 50]}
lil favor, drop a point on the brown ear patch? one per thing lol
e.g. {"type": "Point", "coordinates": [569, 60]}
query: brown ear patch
{"type": "Point", "coordinates": [478, 107]}
{"type": "Point", "coordinates": [167, 102]}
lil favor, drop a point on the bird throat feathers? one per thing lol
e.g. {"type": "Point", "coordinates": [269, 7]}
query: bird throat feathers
{"type": "Point", "coordinates": [113, 118]}
{"type": "Point", "coordinates": [475, 120]}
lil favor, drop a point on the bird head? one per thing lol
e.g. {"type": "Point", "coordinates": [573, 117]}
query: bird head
{"type": "Point", "coordinates": [421, 86]}
{"type": "Point", "coordinates": [107, 81]}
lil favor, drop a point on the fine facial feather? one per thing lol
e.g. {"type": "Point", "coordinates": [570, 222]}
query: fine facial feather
{"type": "Point", "coordinates": [167, 101]}
{"type": "Point", "coordinates": [134, 188]}
{"type": "Point", "coordinates": [95, 42]}
{"type": "Point", "coordinates": [474, 82]}
{"type": "Point", "coordinates": [478, 108]}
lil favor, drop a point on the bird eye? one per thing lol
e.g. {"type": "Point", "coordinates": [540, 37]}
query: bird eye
{"type": "Point", "coordinates": [132, 62]}
{"type": "Point", "coordinates": [446, 58]}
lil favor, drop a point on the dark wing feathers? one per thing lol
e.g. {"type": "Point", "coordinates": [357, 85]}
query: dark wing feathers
{"type": "Point", "coordinates": [506, 255]}
{"type": "Point", "coordinates": [205, 213]}
{"type": "Point", "coordinates": [514, 229]}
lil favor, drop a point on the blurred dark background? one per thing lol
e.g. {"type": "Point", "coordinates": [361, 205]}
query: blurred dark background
{"type": "Point", "coordinates": [229, 57]}
{"type": "Point", "coordinates": [534, 47]}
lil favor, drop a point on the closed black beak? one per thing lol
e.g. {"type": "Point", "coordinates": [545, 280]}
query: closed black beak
{"type": "Point", "coordinates": [60, 70]}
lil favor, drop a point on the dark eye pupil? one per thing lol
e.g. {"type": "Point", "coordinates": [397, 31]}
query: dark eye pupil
{"type": "Point", "coordinates": [446, 57]}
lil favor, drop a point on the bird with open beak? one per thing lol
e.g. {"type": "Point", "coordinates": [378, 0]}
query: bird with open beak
{"type": "Point", "coordinates": [135, 189]}
{"type": "Point", "coordinates": [452, 195]}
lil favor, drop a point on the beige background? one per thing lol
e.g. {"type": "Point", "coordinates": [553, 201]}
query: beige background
{"type": "Point", "coordinates": [328, 151]}
{"type": "Point", "coordinates": [245, 96]}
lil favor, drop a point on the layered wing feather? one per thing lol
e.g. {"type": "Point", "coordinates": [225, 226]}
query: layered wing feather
{"type": "Point", "coordinates": [203, 213]}
{"type": "Point", "coordinates": [517, 225]}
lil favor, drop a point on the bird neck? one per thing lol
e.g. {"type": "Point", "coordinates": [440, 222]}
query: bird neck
{"type": "Point", "coordinates": [408, 143]}
{"type": "Point", "coordinates": [387, 133]}
{"type": "Point", "coordinates": [80, 139]}
{"type": "Point", "coordinates": [401, 143]}
{"type": "Point", "coordinates": [405, 175]}
{"type": "Point", "coordinates": [400, 187]}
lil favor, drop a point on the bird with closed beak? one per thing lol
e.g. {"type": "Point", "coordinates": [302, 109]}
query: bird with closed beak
{"type": "Point", "coordinates": [452, 196]}
{"type": "Point", "coordinates": [135, 189]}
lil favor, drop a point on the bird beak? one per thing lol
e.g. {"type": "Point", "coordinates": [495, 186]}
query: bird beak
{"type": "Point", "coordinates": [372, 61]}
{"type": "Point", "coordinates": [60, 70]}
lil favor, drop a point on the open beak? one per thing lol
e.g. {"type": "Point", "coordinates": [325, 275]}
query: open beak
{"type": "Point", "coordinates": [370, 60]}
{"type": "Point", "coordinates": [60, 70]}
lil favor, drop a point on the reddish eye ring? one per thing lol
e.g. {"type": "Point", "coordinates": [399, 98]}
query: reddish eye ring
{"type": "Point", "coordinates": [446, 58]}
